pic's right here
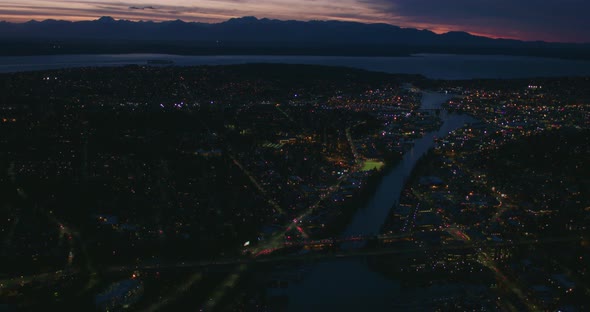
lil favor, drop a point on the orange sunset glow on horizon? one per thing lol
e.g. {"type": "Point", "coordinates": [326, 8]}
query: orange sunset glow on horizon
{"type": "Point", "coordinates": [508, 20]}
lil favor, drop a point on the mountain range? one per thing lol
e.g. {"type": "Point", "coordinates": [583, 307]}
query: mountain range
{"type": "Point", "coordinates": [250, 35]}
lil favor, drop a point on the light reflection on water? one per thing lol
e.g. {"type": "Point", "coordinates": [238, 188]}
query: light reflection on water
{"type": "Point", "coordinates": [349, 284]}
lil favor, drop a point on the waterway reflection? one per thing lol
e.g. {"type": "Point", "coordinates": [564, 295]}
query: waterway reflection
{"type": "Point", "coordinates": [348, 284]}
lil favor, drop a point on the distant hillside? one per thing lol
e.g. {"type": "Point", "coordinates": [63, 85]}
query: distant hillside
{"type": "Point", "coordinates": [249, 35]}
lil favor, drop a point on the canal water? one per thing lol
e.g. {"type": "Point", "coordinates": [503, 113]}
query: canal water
{"type": "Point", "coordinates": [348, 284]}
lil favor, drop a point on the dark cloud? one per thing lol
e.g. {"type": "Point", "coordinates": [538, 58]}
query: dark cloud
{"type": "Point", "coordinates": [560, 20]}
{"type": "Point", "coordinates": [142, 8]}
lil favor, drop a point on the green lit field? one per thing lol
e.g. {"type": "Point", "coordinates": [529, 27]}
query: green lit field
{"type": "Point", "coordinates": [371, 164]}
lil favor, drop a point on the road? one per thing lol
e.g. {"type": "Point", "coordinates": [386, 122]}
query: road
{"type": "Point", "coordinates": [322, 255]}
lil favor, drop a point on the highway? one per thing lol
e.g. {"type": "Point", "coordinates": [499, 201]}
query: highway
{"type": "Point", "coordinates": [323, 255]}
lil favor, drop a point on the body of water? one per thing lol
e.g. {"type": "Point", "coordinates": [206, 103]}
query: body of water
{"type": "Point", "coordinates": [349, 284]}
{"type": "Point", "coordinates": [436, 66]}
{"type": "Point", "coordinates": [368, 221]}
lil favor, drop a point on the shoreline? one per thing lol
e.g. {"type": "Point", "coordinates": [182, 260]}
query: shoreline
{"type": "Point", "coordinates": [360, 200]}
{"type": "Point", "coordinates": [429, 65]}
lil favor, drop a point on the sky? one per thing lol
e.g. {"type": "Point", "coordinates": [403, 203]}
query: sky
{"type": "Point", "coordinates": [548, 20]}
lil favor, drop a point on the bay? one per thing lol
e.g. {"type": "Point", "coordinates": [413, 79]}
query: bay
{"type": "Point", "coordinates": [434, 66]}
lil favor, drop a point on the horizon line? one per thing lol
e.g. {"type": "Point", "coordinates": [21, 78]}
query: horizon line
{"type": "Point", "coordinates": [475, 34]}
